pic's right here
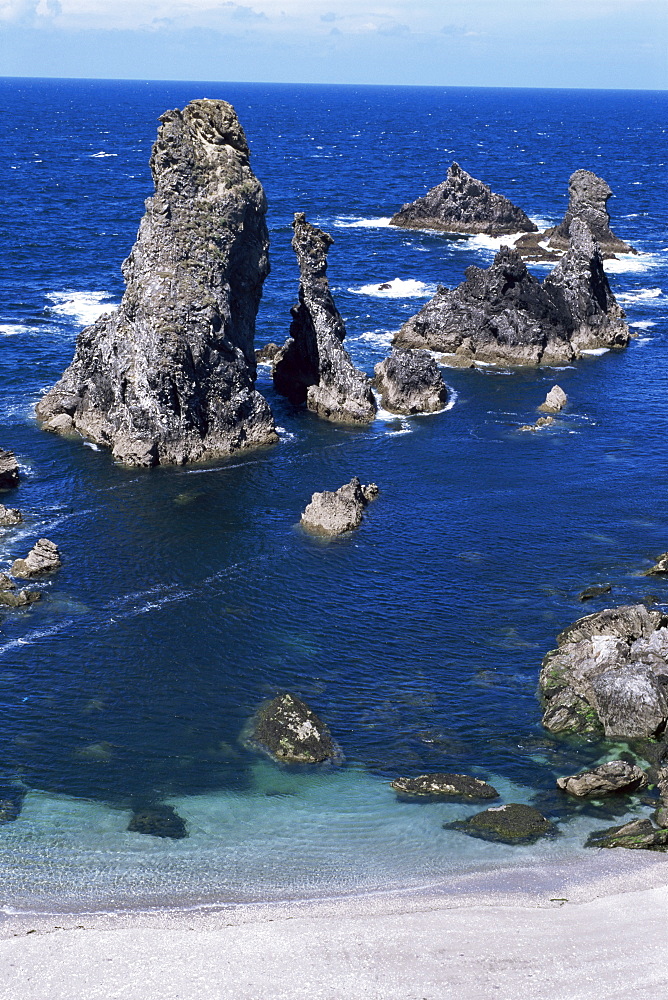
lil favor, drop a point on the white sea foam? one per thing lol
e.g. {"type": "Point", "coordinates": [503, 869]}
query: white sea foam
{"type": "Point", "coordinates": [648, 295]}
{"type": "Point", "coordinates": [101, 154]}
{"type": "Point", "coordinates": [15, 329]}
{"type": "Point", "coordinates": [84, 307]}
{"type": "Point", "coordinates": [632, 263]}
{"type": "Point", "coordinates": [596, 350]}
{"type": "Point", "coordinates": [397, 288]}
{"type": "Point", "coordinates": [643, 324]}
{"type": "Point", "coordinates": [381, 337]}
{"type": "Point", "coordinates": [353, 222]}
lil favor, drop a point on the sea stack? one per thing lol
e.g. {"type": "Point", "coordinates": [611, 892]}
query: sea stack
{"type": "Point", "coordinates": [587, 200]}
{"type": "Point", "coordinates": [504, 315]}
{"type": "Point", "coordinates": [463, 204]}
{"type": "Point", "coordinates": [169, 376]}
{"type": "Point", "coordinates": [313, 366]}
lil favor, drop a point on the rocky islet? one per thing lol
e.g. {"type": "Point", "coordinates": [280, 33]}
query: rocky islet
{"type": "Point", "coordinates": [335, 512]}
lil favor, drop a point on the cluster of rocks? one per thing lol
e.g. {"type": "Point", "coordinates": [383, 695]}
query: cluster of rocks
{"type": "Point", "coordinates": [334, 512]}
{"type": "Point", "coordinates": [555, 401]}
{"type": "Point", "coordinates": [504, 315]}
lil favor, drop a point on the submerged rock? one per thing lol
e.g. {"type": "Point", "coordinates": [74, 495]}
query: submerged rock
{"type": "Point", "coordinates": [337, 511]}
{"type": "Point", "coordinates": [9, 516]}
{"type": "Point", "coordinates": [463, 204]}
{"type": "Point", "coordinates": [19, 598]}
{"type": "Point", "coordinates": [609, 669]}
{"type": "Point", "coordinates": [587, 200]}
{"type": "Point", "coordinates": [555, 400]}
{"type": "Point", "coordinates": [44, 557]}
{"type": "Point", "coordinates": [158, 821]}
{"type": "Point", "coordinates": [510, 824]}
{"type": "Point", "coordinates": [637, 835]}
{"type": "Point", "coordinates": [447, 786]}
{"type": "Point", "coordinates": [410, 382]}
{"type": "Point", "coordinates": [291, 732]}
{"type": "Point", "coordinates": [504, 315]}
{"type": "Point", "coordinates": [11, 802]}
{"type": "Point", "coordinates": [9, 470]}
{"type": "Point", "coordinates": [313, 366]}
{"type": "Point", "coordinates": [596, 590]}
{"type": "Point", "coordinates": [616, 777]}
{"type": "Point", "coordinates": [169, 376]}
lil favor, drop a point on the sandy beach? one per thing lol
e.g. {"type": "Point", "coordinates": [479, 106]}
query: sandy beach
{"type": "Point", "coordinates": [593, 931]}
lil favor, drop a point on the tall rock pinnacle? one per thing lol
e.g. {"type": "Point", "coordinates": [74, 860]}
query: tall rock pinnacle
{"type": "Point", "coordinates": [169, 376]}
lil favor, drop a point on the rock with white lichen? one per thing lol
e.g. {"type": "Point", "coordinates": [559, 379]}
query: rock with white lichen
{"type": "Point", "coordinates": [290, 732]}
{"type": "Point", "coordinates": [333, 512]}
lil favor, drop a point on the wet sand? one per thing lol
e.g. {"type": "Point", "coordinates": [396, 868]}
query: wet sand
{"type": "Point", "coordinates": [596, 930]}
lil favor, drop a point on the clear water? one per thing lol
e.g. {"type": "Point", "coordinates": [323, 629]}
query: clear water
{"type": "Point", "coordinates": [187, 595]}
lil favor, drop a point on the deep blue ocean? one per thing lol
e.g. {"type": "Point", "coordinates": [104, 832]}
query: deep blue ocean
{"type": "Point", "coordinates": [188, 595]}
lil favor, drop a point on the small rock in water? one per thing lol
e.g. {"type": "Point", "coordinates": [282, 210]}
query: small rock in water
{"type": "Point", "coordinates": [44, 557]}
{"type": "Point", "coordinates": [660, 567]}
{"type": "Point", "coordinates": [510, 824]}
{"type": "Point", "coordinates": [596, 590]}
{"type": "Point", "coordinates": [615, 777]}
{"type": "Point", "coordinates": [11, 802]}
{"type": "Point", "coordinates": [9, 516]}
{"type": "Point", "coordinates": [335, 512]}
{"type": "Point", "coordinates": [158, 821]}
{"type": "Point", "coordinates": [100, 752]}
{"type": "Point", "coordinates": [410, 382]}
{"type": "Point", "coordinates": [267, 353]}
{"type": "Point", "coordinates": [555, 400]}
{"type": "Point", "coordinates": [291, 732]}
{"type": "Point", "coordinates": [540, 423]}
{"type": "Point", "coordinates": [384, 286]}
{"type": "Point", "coordinates": [441, 785]}
{"type": "Point", "coordinates": [19, 598]}
{"type": "Point", "coordinates": [637, 835]}
{"type": "Point", "coordinates": [9, 470]}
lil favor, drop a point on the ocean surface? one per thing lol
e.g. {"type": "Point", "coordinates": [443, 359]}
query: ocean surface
{"type": "Point", "coordinates": [188, 595]}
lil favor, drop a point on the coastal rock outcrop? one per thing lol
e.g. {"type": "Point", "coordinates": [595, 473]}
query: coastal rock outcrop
{"type": "Point", "coordinates": [504, 315]}
{"type": "Point", "coordinates": [9, 516]}
{"type": "Point", "coordinates": [9, 470]}
{"type": "Point", "coordinates": [463, 204]}
{"type": "Point", "coordinates": [290, 732]}
{"type": "Point", "coordinates": [510, 824]}
{"type": "Point", "coordinates": [587, 200]}
{"type": "Point", "coordinates": [616, 777]}
{"type": "Point", "coordinates": [609, 669]}
{"type": "Point", "coordinates": [44, 557]}
{"type": "Point", "coordinates": [410, 382]}
{"type": "Point", "coordinates": [169, 376]}
{"type": "Point", "coordinates": [313, 366]}
{"type": "Point", "coordinates": [457, 787]}
{"type": "Point", "coordinates": [334, 512]}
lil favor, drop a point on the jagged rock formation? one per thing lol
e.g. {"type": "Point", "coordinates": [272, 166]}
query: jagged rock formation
{"type": "Point", "coordinates": [555, 400]}
{"type": "Point", "coordinates": [43, 557]}
{"type": "Point", "coordinates": [9, 470]}
{"type": "Point", "coordinates": [334, 512]}
{"type": "Point", "coordinates": [616, 777]}
{"type": "Point", "coordinates": [504, 315]}
{"type": "Point", "coordinates": [9, 516]}
{"type": "Point", "coordinates": [609, 669]}
{"type": "Point", "coordinates": [463, 204]}
{"type": "Point", "coordinates": [587, 200]}
{"type": "Point", "coordinates": [290, 732]}
{"type": "Point", "coordinates": [514, 823]}
{"type": "Point", "coordinates": [168, 377]}
{"type": "Point", "coordinates": [410, 382]}
{"type": "Point", "coordinates": [313, 366]}
{"type": "Point", "coordinates": [457, 787]}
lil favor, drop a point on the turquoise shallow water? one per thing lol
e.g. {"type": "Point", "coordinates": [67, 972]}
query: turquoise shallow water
{"type": "Point", "coordinates": [187, 595]}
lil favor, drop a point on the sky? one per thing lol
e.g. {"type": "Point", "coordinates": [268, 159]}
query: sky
{"type": "Point", "coordinates": [498, 43]}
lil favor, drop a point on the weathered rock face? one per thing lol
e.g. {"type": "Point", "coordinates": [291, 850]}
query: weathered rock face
{"type": "Point", "coordinates": [609, 669]}
{"type": "Point", "coordinates": [410, 382]}
{"type": "Point", "coordinates": [168, 377]}
{"type": "Point", "coordinates": [9, 516]}
{"type": "Point", "coordinates": [313, 366]}
{"type": "Point", "coordinates": [9, 470]}
{"type": "Point", "coordinates": [587, 200]}
{"type": "Point", "coordinates": [637, 835]}
{"type": "Point", "coordinates": [504, 315]}
{"type": "Point", "coordinates": [445, 786]}
{"type": "Point", "coordinates": [510, 824]}
{"type": "Point", "coordinates": [43, 557]}
{"type": "Point", "coordinates": [462, 204]}
{"type": "Point", "coordinates": [334, 512]}
{"type": "Point", "coordinates": [291, 732]}
{"type": "Point", "coordinates": [616, 777]}
{"type": "Point", "coordinates": [555, 400]}
{"type": "Point", "coordinates": [158, 821]}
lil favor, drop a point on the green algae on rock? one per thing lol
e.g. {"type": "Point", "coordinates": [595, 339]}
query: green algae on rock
{"type": "Point", "coordinates": [290, 732]}
{"type": "Point", "coordinates": [445, 786]}
{"type": "Point", "coordinates": [510, 824]}
{"type": "Point", "coordinates": [637, 835]}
